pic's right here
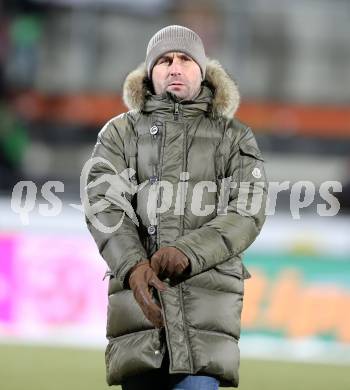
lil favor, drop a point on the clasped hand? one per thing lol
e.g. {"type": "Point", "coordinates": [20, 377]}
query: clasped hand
{"type": "Point", "coordinates": [166, 262]}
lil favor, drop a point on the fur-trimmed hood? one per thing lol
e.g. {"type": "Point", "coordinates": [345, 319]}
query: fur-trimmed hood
{"type": "Point", "coordinates": [226, 97]}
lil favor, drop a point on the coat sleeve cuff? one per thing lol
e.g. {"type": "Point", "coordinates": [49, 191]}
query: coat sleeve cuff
{"type": "Point", "coordinates": [194, 266]}
{"type": "Point", "coordinates": [125, 270]}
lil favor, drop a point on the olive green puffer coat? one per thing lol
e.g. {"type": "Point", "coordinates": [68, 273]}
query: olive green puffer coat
{"type": "Point", "coordinates": [182, 144]}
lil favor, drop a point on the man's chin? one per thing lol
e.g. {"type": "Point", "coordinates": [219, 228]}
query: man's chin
{"type": "Point", "coordinates": [179, 94]}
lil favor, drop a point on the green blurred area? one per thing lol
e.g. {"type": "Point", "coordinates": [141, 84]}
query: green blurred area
{"type": "Point", "coordinates": [47, 368]}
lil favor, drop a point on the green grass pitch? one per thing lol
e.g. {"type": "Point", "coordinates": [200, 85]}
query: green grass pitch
{"type": "Point", "coordinates": [48, 368]}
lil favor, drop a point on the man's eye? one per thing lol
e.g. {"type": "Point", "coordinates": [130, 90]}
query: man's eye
{"type": "Point", "coordinates": [164, 60]}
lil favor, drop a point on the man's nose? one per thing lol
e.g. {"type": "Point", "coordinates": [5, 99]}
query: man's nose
{"type": "Point", "coordinates": [175, 68]}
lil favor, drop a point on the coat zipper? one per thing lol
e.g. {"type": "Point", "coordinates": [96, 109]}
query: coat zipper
{"type": "Point", "coordinates": [184, 167]}
{"type": "Point", "coordinates": [176, 117]}
{"type": "Point", "coordinates": [160, 172]}
{"type": "Point", "coordinates": [186, 335]}
{"type": "Point", "coordinates": [183, 195]}
{"type": "Point", "coordinates": [176, 111]}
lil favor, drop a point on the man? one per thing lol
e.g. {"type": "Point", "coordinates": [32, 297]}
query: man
{"type": "Point", "coordinates": [176, 275]}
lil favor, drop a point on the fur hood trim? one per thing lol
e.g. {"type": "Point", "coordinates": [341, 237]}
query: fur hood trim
{"type": "Point", "coordinates": [226, 97]}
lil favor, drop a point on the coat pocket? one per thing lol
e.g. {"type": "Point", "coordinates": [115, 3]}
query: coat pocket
{"type": "Point", "coordinates": [229, 276]}
{"type": "Point", "coordinates": [232, 267]}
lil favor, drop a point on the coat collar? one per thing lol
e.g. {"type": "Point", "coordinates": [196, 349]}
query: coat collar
{"type": "Point", "coordinates": [219, 92]}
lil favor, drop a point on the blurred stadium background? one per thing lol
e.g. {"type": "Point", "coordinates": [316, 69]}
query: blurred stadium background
{"type": "Point", "coordinates": [62, 65]}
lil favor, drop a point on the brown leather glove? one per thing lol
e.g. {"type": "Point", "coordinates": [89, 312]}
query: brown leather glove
{"type": "Point", "coordinates": [141, 278]}
{"type": "Point", "coordinates": [169, 262]}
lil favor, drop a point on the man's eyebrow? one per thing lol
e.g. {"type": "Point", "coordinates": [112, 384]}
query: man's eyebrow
{"type": "Point", "coordinates": [165, 56]}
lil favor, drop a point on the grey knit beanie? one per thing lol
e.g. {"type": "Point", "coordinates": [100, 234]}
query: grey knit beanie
{"type": "Point", "coordinates": [175, 38]}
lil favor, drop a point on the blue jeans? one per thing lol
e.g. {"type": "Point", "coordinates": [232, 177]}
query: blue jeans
{"type": "Point", "coordinates": [160, 379]}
